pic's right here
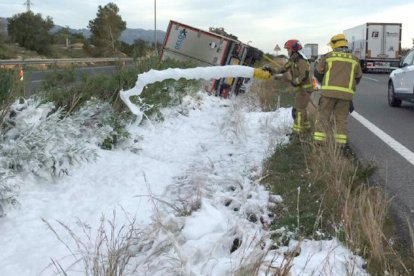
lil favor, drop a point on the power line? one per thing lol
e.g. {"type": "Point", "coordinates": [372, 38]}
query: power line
{"type": "Point", "coordinates": [28, 4]}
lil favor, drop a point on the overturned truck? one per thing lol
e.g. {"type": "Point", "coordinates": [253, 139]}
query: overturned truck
{"type": "Point", "coordinates": [208, 48]}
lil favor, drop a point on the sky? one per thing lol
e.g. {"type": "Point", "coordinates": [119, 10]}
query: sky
{"type": "Point", "coordinates": [263, 22]}
{"type": "Point", "coordinates": [205, 156]}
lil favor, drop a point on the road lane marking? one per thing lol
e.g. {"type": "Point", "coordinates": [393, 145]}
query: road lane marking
{"type": "Point", "coordinates": [394, 144]}
{"type": "Point", "coordinates": [37, 81]}
{"type": "Point", "coordinates": [368, 78]}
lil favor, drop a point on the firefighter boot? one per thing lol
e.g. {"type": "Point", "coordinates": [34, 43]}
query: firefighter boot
{"type": "Point", "coordinates": [347, 151]}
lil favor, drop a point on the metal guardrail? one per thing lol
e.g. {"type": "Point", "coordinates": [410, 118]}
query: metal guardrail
{"type": "Point", "coordinates": [60, 60]}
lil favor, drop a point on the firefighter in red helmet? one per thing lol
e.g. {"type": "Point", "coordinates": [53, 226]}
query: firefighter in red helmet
{"type": "Point", "coordinates": [297, 72]}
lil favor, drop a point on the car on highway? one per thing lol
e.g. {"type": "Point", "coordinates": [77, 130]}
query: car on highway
{"type": "Point", "coordinates": [401, 82]}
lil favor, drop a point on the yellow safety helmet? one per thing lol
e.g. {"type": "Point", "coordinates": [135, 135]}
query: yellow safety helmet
{"type": "Point", "coordinates": [338, 40]}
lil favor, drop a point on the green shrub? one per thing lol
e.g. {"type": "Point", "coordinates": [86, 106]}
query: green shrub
{"type": "Point", "coordinates": [165, 93]}
{"type": "Point", "coordinates": [10, 89]}
{"type": "Point", "coordinates": [8, 82]}
{"type": "Point", "coordinates": [59, 79]}
{"type": "Point", "coordinates": [66, 90]}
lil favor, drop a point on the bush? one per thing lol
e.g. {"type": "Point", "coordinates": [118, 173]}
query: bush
{"type": "Point", "coordinates": [65, 90]}
{"type": "Point", "coordinates": [165, 93]}
{"type": "Point", "coordinates": [31, 31]}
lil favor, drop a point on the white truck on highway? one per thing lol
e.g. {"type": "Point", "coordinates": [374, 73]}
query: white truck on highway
{"type": "Point", "coordinates": [377, 45]}
{"type": "Point", "coordinates": [204, 48]}
{"type": "Point", "coordinates": [311, 51]}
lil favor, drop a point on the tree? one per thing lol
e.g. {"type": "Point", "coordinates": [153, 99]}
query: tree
{"type": "Point", "coordinates": [66, 33]}
{"type": "Point", "coordinates": [2, 31]}
{"type": "Point", "coordinates": [140, 47]}
{"type": "Point", "coordinates": [31, 31]}
{"type": "Point", "coordinates": [106, 28]}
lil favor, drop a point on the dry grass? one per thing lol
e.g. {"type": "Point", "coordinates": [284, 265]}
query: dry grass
{"type": "Point", "coordinates": [359, 209]}
{"type": "Point", "coordinates": [234, 127]}
{"type": "Point", "coordinates": [260, 260]}
{"type": "Point", "coordinates": [107, 252]}
{"type": "Point", "coordinates": [411, 236]}
{"type": "Point", "coordinates": [348, 206]}
{"type": "Point", "coordinates": [270, 93]}
{"type": "Point", "coordinates": [364, 215]}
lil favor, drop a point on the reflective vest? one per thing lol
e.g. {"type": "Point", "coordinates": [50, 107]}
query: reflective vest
{"type": "Point", "coordinates": [21, 75]}
{"type": "Point", "coordinates": [340, 61]}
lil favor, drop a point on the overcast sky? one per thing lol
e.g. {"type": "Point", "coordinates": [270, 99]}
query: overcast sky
{"type": "Point", "coordinates": [263, 22]}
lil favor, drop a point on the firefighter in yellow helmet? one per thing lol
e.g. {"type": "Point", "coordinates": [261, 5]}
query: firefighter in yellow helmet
{"type": "Point", "coordinates": [297, 72]}
{"type": "Point", "coordinates": [338, 72]}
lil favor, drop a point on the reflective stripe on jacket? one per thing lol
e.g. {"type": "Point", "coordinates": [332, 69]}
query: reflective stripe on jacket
{"type": "Point", "coordinates": [340, 71]}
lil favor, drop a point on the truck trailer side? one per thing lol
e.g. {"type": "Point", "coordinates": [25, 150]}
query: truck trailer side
{"type": "Point", "coordinates": [186, 43]}
{"type": "Point", "coordinates": [377, 45]}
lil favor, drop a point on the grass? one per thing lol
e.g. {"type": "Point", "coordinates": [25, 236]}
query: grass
{"type": "Point", "coordinates": [107, 252]}
{"type": "Point", "coordinates": [328, 195]}
{"type": "Point", "coordinates": [13, 50]}
{"type": "Point", "coordinates": [10, 90]}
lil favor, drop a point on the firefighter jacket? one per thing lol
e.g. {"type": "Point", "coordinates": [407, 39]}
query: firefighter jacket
{"type": "Point", "coordinates": [297, 71]}
{"type": "Point", "coordinates": [338, 72]}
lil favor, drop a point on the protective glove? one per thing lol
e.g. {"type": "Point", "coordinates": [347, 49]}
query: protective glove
{"type": "Point", "coordinates": [261, 74]}
{"type": "Point", "coordinates": [269, 69]}
{"type": "Point", "coordinates": [295, 82]}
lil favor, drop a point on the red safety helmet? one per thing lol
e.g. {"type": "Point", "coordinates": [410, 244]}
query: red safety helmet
{"type": "Point", "coordinates": [293, 44]}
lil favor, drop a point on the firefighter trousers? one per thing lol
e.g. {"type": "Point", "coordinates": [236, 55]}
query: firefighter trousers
{"type": "Point", "coordinates": [301, 120]}
{"type": "Point", "coordinates": [332, 119]}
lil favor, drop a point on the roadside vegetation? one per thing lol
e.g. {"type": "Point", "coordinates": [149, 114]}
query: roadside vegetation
{"type": "Point", "coordinates": [48, 42]}
{"type": "Point", "coordinates": [327, 194]}
{"type": "Point", "coordinates": [87, 109]}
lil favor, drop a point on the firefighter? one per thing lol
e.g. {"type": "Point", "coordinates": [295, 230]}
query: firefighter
{"type": "Point", "coordinates": [297, 72]}
{"type": "Point", "coordinates": [338, 72]}
{"type": "Point", "coordinates": [20, 73]}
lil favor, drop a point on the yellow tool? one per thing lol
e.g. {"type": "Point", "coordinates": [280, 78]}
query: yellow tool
{"type": "Point", "coordinates": [261, 74]}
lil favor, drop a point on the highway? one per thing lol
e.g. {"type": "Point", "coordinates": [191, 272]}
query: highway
{"type": "Point", "coordinates": [33, 79]}
{"type": "Point", "coordinates": [392, 155]}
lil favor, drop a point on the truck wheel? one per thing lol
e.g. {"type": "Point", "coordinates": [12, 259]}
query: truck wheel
{"type": "Point", "coordinates": [392, 100]}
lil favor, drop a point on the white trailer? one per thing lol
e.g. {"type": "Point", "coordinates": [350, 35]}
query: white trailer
{"type": "Point", "coordinates": [185, 43]}
{"type": "Point", "coordinates": [377, 45]}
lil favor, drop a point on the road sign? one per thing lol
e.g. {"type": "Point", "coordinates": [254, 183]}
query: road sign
{"type": "Point", "coordinates": [277, 48]}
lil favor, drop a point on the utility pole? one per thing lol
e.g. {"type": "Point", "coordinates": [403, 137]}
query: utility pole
{"type": "Point", "coordinates": [155, 26]}
{"type": "Point", "coordinates": [28, 3]}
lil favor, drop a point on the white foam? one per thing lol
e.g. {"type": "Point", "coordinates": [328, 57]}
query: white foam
{"type": "Point", "coordinates": [206, 73]}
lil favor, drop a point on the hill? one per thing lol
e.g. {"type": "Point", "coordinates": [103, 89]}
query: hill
{"type": "Point", "coordinates": [128, 36]}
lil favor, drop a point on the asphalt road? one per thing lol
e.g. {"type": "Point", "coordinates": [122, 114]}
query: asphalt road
{"type": "Point", "coordinates": [394, 172]}
{"type": "Point", "coordinates": [34, 79]}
